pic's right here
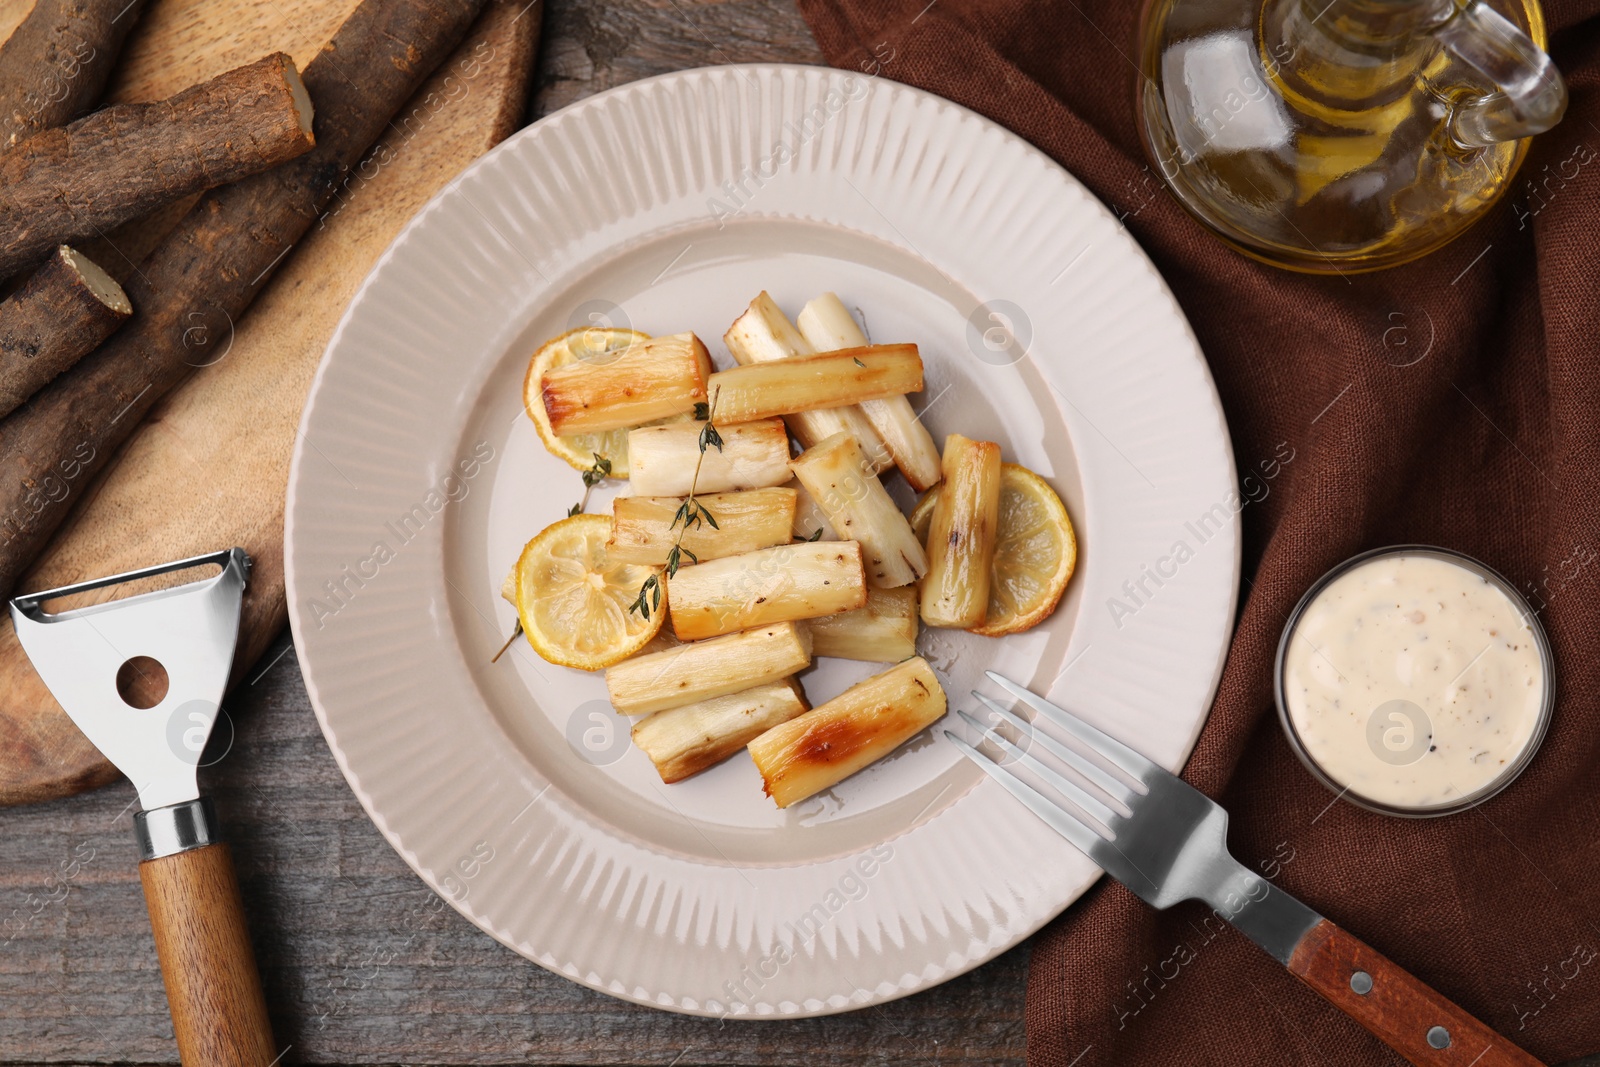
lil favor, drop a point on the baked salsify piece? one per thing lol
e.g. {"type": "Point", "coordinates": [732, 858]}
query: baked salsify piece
{"type": "Point", "coordinates": [761, 520]}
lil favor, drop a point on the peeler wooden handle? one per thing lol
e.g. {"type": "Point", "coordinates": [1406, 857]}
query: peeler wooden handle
{"type": "Point", "coordinates": [219, 1015]}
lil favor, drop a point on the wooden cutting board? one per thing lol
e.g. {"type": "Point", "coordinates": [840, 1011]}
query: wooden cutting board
{"type": "Point", "coordinates": [209, 467]}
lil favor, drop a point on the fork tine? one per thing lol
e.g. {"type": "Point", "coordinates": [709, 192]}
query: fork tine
{"type": "Point", "coordinates": [1101, 742]}
{"type": "Point", "coordinates": [1080, 834]}
{"type": "Point", "coordinates": [1071, 790]}
{"type": "Point", "coordinates": [1113, 786]}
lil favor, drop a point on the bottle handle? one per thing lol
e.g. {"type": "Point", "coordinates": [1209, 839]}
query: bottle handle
{"type": "Point", "coordinates": [1531, 96]}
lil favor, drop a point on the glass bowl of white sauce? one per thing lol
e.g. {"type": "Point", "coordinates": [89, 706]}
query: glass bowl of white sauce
{"type": "Point", "coordinates": [1414, 681]}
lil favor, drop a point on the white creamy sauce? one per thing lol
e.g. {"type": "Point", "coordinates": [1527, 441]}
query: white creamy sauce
{"type": "Point", "coordinates": [1413, 681]}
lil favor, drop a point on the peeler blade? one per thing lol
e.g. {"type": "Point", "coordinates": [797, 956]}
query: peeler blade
{"type": "Point", "coordinates": [189, 629]}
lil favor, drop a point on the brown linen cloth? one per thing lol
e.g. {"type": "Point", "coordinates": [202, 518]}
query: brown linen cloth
{"type": "Point", "coordinates": [1455, 401]}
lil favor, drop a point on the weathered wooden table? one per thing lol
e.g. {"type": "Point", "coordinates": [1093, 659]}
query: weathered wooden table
{"type": "Point", "coordinates": [361, 962]}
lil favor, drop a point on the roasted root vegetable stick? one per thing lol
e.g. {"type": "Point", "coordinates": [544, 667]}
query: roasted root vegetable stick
{"type": "Point", "coordinates": [661, 642]}
{"type": "Point", "coordinates": [827, 325]}
{"type": "Point", "coordinates": [810, 524]}
{"type": "Point", "coordinates": [858, 507]}
{"type": "Point", "coordinates": [763, 334]}
{"type": "Point", "coordinates": [685, 741]}
{"type": "Point", "coordinates": [664, 460]}
{"type": "Point", "coordinates": [644, 529]}
{"type": "Point", "coordinates": [788, 582]}
{"type": "Point", "coordinates": [705, 669]}
{"type": "Point", "coordinates": [882, 631]}
{"type": "Point", "coordinates": [832, 380]}
{"type": "Point", "coordinates": [832, 741]}
{"type": "Point", "coordinates": [961, 534]}
{"type": "Point", "coordinates": [650, 380]}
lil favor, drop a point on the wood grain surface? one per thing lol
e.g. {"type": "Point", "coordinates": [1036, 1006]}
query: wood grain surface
{"type": "Point", "coordinates": [360, 961]}
{"type": "Point", "coordinates": [219, 1014]}
{"type": "Point", "coordinates": [1411, 1018]}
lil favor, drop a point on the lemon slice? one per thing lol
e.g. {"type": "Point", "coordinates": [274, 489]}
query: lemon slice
{"type": "Point", "coordinates": [1035, 551]}
{"type": "Point", "coordinates": [579, 449]}
{"type": "Point", "coordinates": [573, 601]}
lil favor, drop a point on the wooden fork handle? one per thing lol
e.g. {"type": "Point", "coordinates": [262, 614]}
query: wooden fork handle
{"type": "Point", "coordinates": [218, 1013]}
{"type": "Point", "coordinates": [1398, 1009]}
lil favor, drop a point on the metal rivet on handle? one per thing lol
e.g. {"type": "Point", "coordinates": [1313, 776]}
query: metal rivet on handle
{"type": "Point", "coordinates": [1361, 983]}
{"type": "Point", "coordinates": [1439, 1037]}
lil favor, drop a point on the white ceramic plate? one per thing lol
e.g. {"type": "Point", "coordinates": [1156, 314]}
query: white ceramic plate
{"type": "Point", "coordinates": [666, 205]}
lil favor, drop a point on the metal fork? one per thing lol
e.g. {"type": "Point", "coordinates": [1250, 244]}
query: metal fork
{"type": "Point", "coordinates": [1171, 845]}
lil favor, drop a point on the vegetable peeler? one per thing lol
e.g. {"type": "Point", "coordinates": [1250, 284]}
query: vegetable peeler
{"type": "Point", "coordinates": [86, 656]}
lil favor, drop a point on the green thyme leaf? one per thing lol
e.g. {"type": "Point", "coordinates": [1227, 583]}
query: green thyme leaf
{"type": "Point", "coordinates": [598, 472]}
{"type": "Point", "coordinates": [641, 604]}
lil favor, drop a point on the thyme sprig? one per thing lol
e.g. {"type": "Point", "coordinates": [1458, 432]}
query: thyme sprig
{"type": "Point", "coordinates": [642, 604]}
{"type": "Point", "coordinates": [516, 632]}
{"type": "Point", "coordinates": [690, 513]}
{"type": "Point", "coordinates": [709, 437]}
{"type": "Point", "coordinates": [598, 472]}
